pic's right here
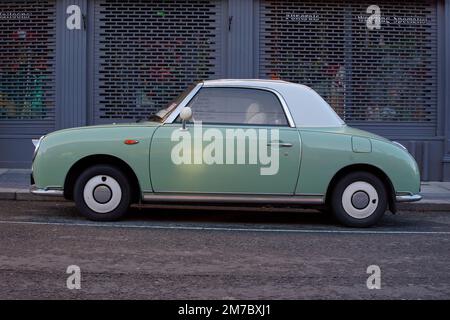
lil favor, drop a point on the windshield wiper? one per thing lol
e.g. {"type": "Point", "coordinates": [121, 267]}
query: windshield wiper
{"type": "Point", "coordinates": [155, 117]}
{"type": "Point", "coordinates": [152, 117]}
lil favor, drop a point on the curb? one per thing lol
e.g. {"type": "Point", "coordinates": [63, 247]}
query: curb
{"type": "Point", "coordinates": [26, 195]}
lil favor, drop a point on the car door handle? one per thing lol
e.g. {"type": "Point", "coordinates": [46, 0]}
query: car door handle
{"type": "Point", "coordinates": [280, 144]}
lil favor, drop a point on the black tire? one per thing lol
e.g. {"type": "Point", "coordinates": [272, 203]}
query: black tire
{"type": "Point", "coordinates": [122, 198]}
{"type": "Point", "coordinates": [354, 215]}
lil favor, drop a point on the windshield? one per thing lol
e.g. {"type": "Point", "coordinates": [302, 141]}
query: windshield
{"type": "Point", "coordinates": [162, 114]}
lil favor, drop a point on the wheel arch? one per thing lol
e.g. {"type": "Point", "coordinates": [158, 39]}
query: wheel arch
{"type": "Point", "coordinates": [89, 161]}
{"type": "Point", "coordinates": [367, 168]}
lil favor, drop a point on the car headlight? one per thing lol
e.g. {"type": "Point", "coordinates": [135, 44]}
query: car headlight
{"type": "Point", "coordinates": [36, 143]}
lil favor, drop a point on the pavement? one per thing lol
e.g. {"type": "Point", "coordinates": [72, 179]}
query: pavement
{"type": "Point", "coordinates": [14, 185]}
{"type": "Point", "coordinates": [194, 254]}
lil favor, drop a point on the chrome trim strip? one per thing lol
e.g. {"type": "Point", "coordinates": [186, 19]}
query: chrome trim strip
{"type": "Point", "coordinates": [46, 192]}
{"type": "Point", "coordinates": [398, 144]}
{"type": "Point", "coordinates": [287, 112]}
{"type": "Point", "coordinates": [408, 197]}
{"type": "Point", "coordinates": [36, 143]}
{"type": "Point", "coordinates": [183, 103]}
{"type": "Point", "coordinates": [233, 198]}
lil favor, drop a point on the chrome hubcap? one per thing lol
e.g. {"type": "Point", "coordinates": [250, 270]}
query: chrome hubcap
{"type": "Point", "coordinates": [102, 194]}
{"type": "Point", "coordinates": [360, 199]}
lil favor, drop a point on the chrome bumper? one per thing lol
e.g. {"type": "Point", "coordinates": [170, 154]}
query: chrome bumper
{"type": "Point", "coordinates": [408, 197]}
{"type": "Point", "coordinates": [46, 192]}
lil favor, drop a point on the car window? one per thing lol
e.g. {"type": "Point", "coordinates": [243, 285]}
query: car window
{"type": "Point", "coordinates": [237, 106]}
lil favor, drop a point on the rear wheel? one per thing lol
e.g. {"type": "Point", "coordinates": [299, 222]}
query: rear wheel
{"type": "Point", "coordinates": [102, 193]}
{"type": "Point", "coordinates": [359, 199]}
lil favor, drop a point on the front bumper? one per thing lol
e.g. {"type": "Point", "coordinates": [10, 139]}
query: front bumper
{"type": "Point", "coordinates": [46, 192]}
{"type": "Point", "coordinates": [408, 197]}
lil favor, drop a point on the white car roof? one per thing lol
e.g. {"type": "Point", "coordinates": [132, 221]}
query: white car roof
{"type": "Point", "coordinates": [244, 82]}
{"type": "Point", "coordinates": [307, 107]}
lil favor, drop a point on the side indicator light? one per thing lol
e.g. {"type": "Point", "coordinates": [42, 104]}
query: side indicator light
{"type": "Point", "coordinates": [131, 141]}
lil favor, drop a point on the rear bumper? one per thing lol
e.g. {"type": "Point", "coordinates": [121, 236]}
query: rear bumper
{"type": "Point", "coordinates": [46, 192]}
{"type": "Point", "coordinates": [408, 197]}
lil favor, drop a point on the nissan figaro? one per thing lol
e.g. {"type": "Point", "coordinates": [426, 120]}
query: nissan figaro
{"type": "Point", "coordinates": [256, 142]}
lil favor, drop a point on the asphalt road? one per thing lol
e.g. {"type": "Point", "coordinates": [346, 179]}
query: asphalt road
{"type": "Point", "coordinates": [211, 254]}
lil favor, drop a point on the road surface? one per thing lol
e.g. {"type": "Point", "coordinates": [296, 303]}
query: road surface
{"type": "Point", "coordinates": [166, 253]}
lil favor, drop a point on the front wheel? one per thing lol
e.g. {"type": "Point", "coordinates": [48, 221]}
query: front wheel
{"type": "Point", "coordinates": [359, 199]}
{"type": "Point", "coordinates": [102, 193]}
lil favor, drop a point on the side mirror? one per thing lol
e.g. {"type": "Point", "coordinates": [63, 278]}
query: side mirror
{"type": "Point", "coordinates": [185, 115]}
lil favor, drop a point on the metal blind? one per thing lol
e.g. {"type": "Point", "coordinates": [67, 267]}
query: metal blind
{"type": "Point", "coordinates": [149, 52]}
{"type": "Point", "coordinates": [27, 61]}
{"type": "Point", "coordinates": [381, 75]}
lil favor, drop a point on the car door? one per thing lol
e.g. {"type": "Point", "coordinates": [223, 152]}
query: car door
{"type": "Point", "coordinates": [239, 142]}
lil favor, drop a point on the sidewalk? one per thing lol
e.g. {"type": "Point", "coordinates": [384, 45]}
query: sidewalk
{"type": "Point", "coordinates": [14, 185]}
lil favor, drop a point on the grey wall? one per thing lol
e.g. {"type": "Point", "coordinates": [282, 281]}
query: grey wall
{"type": "Point", "coordinates": [71, 86]}
{"type": "Point", "coordinates": [242, 38]}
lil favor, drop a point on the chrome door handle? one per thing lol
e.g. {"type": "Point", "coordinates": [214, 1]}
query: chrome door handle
{"type": "Point", "coordinates": [280, 144]}
{"type": "Point", "coordinates": [285, 145]}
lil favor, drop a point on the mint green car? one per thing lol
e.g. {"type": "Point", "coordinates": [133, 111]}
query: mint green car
{"type": "Point", "coordinates": [230, 141]}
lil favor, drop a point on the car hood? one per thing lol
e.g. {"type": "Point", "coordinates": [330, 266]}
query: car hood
{"type": "Point", "coordinates": [113, 125]}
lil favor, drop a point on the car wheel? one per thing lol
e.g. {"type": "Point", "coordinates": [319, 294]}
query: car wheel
{"type": "Point", "coordinates": [102, 193]}
{"type": "Point", "coordinates": [359, 199]}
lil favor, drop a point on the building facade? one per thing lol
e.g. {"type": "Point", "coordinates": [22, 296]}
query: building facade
{"type": "Point", "coordinates": [384, 66]}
